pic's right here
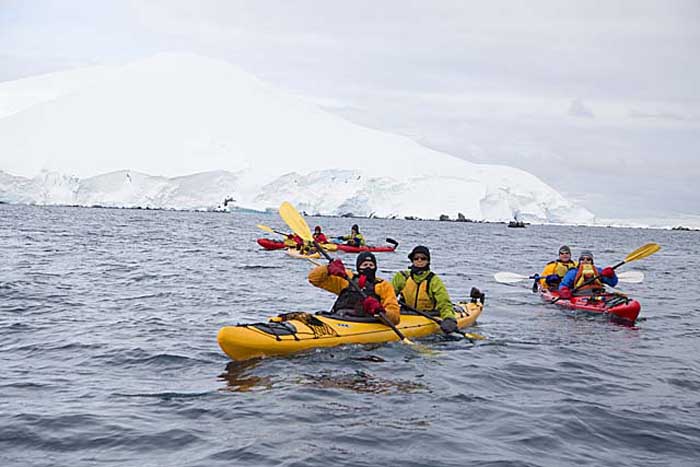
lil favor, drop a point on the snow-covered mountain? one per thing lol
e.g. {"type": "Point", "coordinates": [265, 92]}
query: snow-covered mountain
{"type": "Point", "coordinates": [90, 137]}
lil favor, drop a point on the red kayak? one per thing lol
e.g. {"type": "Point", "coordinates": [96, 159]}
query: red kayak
{"type": "Point", "coordinates": [358, 249]}
{"type": "Point", "coordinates": [270, 244]}
{"type": "Point", "coordinates": [377, 249]}
{"type": "Point", "coordinates": [614, 305]}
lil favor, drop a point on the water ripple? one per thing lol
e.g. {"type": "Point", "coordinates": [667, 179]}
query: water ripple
{"type": "Point", "coordinates": [108, 321]}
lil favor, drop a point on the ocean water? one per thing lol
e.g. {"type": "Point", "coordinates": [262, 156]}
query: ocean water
{"type": "Point", "coordinates": [108, 353]}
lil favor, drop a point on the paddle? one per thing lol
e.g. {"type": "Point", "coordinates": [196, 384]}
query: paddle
{"type": "Point", "coordinates": [392, 241]}
{"type": "Point", "coordinates": [270, 229]}
{"type": "Point", "coordinates": [297, 223]}
{"type": "Point", "coordinates": [629, 277]}
{"type": "Point", "coordinates": [640, 253]}
{"type": "Point", "coordinates": [471, 336]}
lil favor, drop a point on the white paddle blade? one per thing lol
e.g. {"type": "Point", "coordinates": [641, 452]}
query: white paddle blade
{"type": "Point", "coordinates": [631, 277]}
{"type": "Point", "coordinates": [509, 277]}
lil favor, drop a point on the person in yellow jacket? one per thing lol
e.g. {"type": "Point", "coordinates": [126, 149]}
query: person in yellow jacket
{"type": "Point", "coordinates": [554, 271]}
{"type": "Point", "coordinates": [370, 294]}
{"type": "Point", "coordinates": [422, 289]}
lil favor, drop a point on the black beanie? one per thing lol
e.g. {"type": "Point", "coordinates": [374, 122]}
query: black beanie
{"type": "Point", "coordinates": [419, 249]}
{"type": "Point", "coordinates": [365, 255]}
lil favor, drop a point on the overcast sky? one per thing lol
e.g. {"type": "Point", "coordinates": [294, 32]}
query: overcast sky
{"type": "Point", "coordinates": [600, 99]}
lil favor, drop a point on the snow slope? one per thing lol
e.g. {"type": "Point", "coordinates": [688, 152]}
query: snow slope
{"type": "Point", "coordinates": [91, 137]}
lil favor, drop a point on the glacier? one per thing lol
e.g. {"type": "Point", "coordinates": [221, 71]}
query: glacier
{"type": "Point", "coordinates": [181, 131]}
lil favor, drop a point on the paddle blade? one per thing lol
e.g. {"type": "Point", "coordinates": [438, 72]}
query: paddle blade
{"type": "Point", "coordinates": [392, 242]}
{"type": "Point", "coordinates": [642, 252]}
{"type": "Point", "coordinates": [631, 277]}
{"type": "Point", "coordinates": [295, 222]}
{"type": "Point", "coordinates": [265, 228]}
{"type": "Point", "coordinates": [509, 277]}
{"type": "Point", "coordinates": [474, 336]}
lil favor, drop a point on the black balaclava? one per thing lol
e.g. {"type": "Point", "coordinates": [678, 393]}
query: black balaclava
{"type": "Point", "coordinates": [370, 273]}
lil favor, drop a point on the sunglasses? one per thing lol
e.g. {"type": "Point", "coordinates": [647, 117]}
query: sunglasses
{"type": "Point", "coordinates": [420, 258]}
{"type": "Point", "coordinates": [564, 252]}
{"type": "Point", "coordinates": [586, 258]}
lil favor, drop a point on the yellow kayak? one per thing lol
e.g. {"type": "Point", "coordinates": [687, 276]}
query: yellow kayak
{"type": "Point", "coordinates": [295, 332]}
{"type": "Point", "coordinates": [294, 253]}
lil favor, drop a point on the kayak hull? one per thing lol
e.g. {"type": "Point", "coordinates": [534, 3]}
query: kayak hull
{"type": "Point", "coordinates": [359, 249]}
{"type": "Point", "coordinates": [614, 305]}
{"type": "Point", "coordinates": [246, 341]}
{"type": "Point", "coordinates": [270, 244]}
{"type": "Point", "coordinates": [296, 254]}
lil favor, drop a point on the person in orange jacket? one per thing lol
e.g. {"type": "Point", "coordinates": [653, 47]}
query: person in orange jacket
{"type": "Point", "coordinates": [368, 297]}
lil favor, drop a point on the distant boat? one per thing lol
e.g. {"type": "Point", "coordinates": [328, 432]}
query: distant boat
{"type": "Point", "coordinates": [516, 224]}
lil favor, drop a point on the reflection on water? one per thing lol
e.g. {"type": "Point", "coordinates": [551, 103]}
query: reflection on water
{"type": "Point", "coordinates": [361, 382]}
{"type": "Point", "coordinates": [239, 380]}
{"type": "Point", "coordinates": [239, 377]}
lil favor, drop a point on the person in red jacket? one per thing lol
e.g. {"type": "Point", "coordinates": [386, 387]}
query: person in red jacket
{"type": "Point", "coordinates": [319, 236]}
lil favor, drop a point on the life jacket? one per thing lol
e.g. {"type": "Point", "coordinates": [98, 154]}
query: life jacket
{"type": "Point", "coordinates": [562, 268]}
{"type": "Point", "coordinates": [354, 239]}
{"type": "Point", "coordinates": [350, 299]}
{"type": "Point", "coordinates": [585, 273]}
{"type": "Point", "coordinates": [417, 294]}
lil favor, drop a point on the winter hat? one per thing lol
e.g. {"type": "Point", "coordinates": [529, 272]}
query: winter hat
{"type": "Point", "coordinates": [585, 253]}
{"type": "Point", "coordinates": [356, 229]}
{"type": "Point", "coordinates": [419, 249]}
{"type": "Point", "coordinates": [364, 256]}
{"type": "Point", "coordinates": [564, 249]}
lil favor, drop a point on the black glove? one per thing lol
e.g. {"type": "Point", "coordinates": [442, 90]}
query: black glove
{"type": "Point", "coordinates": [448, 325]}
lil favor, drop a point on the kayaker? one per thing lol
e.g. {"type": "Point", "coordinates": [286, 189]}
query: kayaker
{"type": "Point", "coordinates": [554, 271]}
{"type": "Point", "coordinates": [319, 236]}
{"type": "Point", "coordinates": [355, 238]}
{"type": "Point", "coordinates": [377, 294]}
{"type": "Point", "coordinates": [585, 272]}
{"type": "Point", "coordinates": [293, 241]}
{"type": "Point", "coordinates": [422, 289]}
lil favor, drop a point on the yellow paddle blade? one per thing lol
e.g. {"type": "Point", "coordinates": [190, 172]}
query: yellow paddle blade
{"type": "Point", "coordinates": [474, 336]}
{"type": "Point", "coordinates": [295, 222]}
{"type": "Point", "coordinates": [265, 228]}
{"type": "Point", "coordinates": [642, 252]}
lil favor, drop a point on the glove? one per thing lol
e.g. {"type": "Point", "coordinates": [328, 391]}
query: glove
{"type": "Point", "coordinates": [552, 279]}
{"type": "Point", "coordinates": [608, 272]}
{"type": "Point", "coordinates": [448, 325]}
{"type": "Point", "coordinates": [475, 293]}
{"type": "Point", "coordinates": [371, 306]}
{"type": "Point", "coordinates": [565, 293]}
{"type": "Point", "coordinates": [336, 268]}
